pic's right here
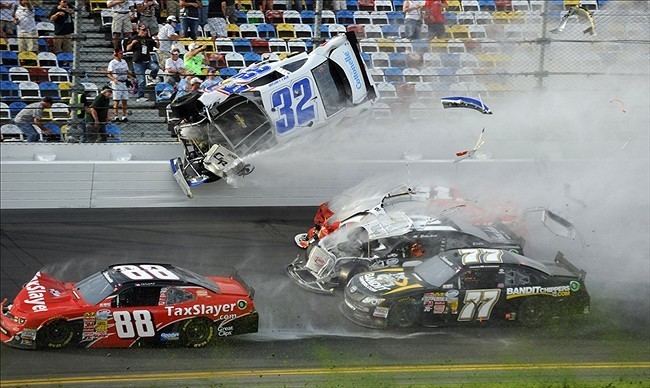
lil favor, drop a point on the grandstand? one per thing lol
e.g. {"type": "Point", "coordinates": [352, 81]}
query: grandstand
{"type": "Point", "coordinates": [491, 47]}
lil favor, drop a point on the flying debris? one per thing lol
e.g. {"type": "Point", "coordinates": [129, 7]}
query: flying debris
{"type": "Point", "coordinates": [469, 153]}
{"type": "Point", "coordinates": [466, 102]}
{"type": "Point", "coordinates": [582, 14]}
{"type": "Point", "coordinates": [619, 103]}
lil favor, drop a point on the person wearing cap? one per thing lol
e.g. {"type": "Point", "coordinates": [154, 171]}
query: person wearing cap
{"type": "Point", "coordinates": [121, 24]}
{"type": "Point", "coordinates": [97, 116]}
{"type": "Point", "coordinates": [194, 59]}
{"type": "Point", "coordinates": [118, 74]}
{"type": "Point", "coordinates": [195, 84]}
{"type": "Point", "coordinates": [166, 36]}
{"type": "Point", "coordinates": [190, 10]}
{"type": "Point", "coordinates": [210, 82]}
{"type": "Point", "coordinates": [174, 68]}
{"type": "Point", "coordinates": [142, 47]}
{"type": "Point", "coordinates": [31, 116]}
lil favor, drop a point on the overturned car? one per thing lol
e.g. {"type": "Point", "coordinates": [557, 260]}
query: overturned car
{"type": "Point", "coordinates": [267, 103]}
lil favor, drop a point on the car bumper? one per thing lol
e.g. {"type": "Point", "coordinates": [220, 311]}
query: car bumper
{"type": "Point", "coordinates": [247, 324]}
{"type": "Point", "coordinates": [305, 279]}
{"type": "Point", "coordinates": [16, 336]}
{"type": "Point", "coordinates": [361, 318]}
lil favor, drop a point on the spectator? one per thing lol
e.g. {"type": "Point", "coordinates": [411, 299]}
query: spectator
{"type": "Point", "coordinates": [61, 16]}
{"type": "Point", "coordinates": [229, 11]}
{"type": "Point", "coordinates": [266, 5]}
{"type": "Point", "coordinates": [190, 17]}
{"type": "Point", "coordinates": [174, 68]}
{"type": "Point", "coordinates": [97, 116]}
{"type": "Point", "coordinates": [297, 5]}
{"type": "Point", "coordinates": [148, 10]}
{"type": "Point", "coordinates": [194, 59]}
{"type": "Point", "coordinates": [166, 35]}
{"type": "Point", "coordinates": [7, 8]}
{"type": "Point", "coordinates": [80, 129]}
{"type": "Point", "coordinates": [183, 86]}
{"type": "Point", "coordinates": [195, 84]}
{"type": "Point", "coordinates": [211, 82]}
{"type": "Point", "coordinates": [142, 47]}
{"type": "Point", "coordinates": [412, 19]}
{"type": "Point", "coordinates": [121, 26]}
{"type": "Point", "coordinates": [172, 8]}
{"type": "Point", "coordinates": [31, 115]}
{"type": "Point", "coordinates": [339, 5]}
{"type": "Point", "coordinates": [217, 24]}
{"type": "Point", "coordinates": [26, 27]}
{"type": "Point", "coordinates": [203, 12]}
{"type": "Point", "coordinates": [434, 18]}
{"type": "Point", "coordinates": [118, 73]}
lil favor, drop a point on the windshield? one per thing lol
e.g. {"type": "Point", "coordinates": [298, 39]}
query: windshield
{"type": "Point", "coordinates": [435, 271]}
{"type": "Point", "coordinates": [333, 85]}
{"type": "Point", "coordinates": [242, 122]}
{"type": "Point", "coordinates": [94, 288]}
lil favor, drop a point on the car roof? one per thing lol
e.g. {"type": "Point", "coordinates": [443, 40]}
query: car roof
{"type": "Point", "coordinates": [455, 256]}
{"type": "Point", "coordinates": [117, 275]}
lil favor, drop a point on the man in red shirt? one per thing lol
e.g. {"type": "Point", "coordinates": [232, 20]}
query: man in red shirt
{"type": "Point", "coordinates": [434, 18]}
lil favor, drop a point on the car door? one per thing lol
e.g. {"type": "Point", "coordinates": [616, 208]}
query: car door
{"type": "Point", "coordinates": [136, 311]}
{"type": "Point", "coordinates": [479, 293]}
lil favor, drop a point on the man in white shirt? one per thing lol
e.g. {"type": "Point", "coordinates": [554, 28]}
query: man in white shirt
{"type": "Point", "coordinates": [121, 25]}
{"type": "Point", "coordinates": [118, 73]}
{"type": "Point", "coordinates": [166, 36]}
{"type": "Point", "coordinates": [7, 8]}
{"type": "Point", "coordinates": [26, 27]}
{"type": "Point", "coordinates": [174, 68]}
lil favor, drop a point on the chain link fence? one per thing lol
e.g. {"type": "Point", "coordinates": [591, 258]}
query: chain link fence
{"type": "Point", "coordinates": [495, 53]}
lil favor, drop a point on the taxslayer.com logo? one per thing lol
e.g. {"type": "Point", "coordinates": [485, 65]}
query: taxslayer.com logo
{"type": "Point", "coordinates": [36, 294]}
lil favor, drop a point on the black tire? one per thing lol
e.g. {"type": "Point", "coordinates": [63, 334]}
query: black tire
{"type": "Point", "coordinates": [534, 312]}
{"type": "Point", "coordinates": [197, 333]}
{"type": "Point", "coordinates": [187, 107]}
{"type": "Point", "coordinates": [55, 335]}
{"type": "Point", "coordinates": [403, 313]}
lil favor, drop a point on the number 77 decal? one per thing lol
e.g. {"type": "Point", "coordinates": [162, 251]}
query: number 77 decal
{"type": "Point", "coordinates": [478, 304]}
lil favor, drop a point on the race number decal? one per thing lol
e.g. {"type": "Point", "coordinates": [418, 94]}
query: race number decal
{"type": "Point", "coordinates": [146, 272]}
{"type": "Point", "coordinates": [128, 325]}
{"type": "Point", "coordinates": [283, 101]}
{"type": "Point", "coordinates": [478, 304]}
{"type": "Point", "coordinates": [478, 256]}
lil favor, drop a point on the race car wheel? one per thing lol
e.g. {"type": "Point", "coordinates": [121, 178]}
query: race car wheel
{"type": "Point", "coordinates": [533, 312]}
{"type": "Point", "coordinates": [187, 107]}
{"type": "Point", "coordinates": [403, 313]}
{"type": "Point", "coordinates": [196, 333]}
{"type": "Point", "coordinates": [55, 335]}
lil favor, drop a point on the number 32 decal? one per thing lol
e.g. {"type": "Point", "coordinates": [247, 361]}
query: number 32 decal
{"type": "Point", "coordinates": [283, 101]}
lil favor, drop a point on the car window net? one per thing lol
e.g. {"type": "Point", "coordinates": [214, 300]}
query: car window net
{"type": "Point", "coordinates": [333, 85]}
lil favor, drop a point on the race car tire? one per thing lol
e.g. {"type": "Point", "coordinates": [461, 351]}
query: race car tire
{"type": "Point", "coordinates": [403, 313]}
{"type": "Point", "coordinates": [197, 333]}
{"type": "Point", "coordinates": [533, 312]}
{"type": "Point", "coordinates": [55, 335]}
{"type": "Point", "coordinates": [187, 107]}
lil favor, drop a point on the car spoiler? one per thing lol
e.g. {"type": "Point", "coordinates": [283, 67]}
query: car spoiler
{"type": "Point", "coordinates": [562, 261]}
{"type": "Point", "coordinates": [352, 38]}
{"type": "Point", "coordinates": [235, 276]}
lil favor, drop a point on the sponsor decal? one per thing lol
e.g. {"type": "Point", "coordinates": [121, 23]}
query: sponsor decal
{"type": "Point", "coordinates": [452, 300]}
{"type": "Point", "coordinates": [28, 334]}
{"type": "Point", "coordinates": [356, 75]}
{"type": "Point", "coordinates": [574, 285]}
{"type": "Point", "coordinates": [225, 331]}
{"type": "Point", "coordinates": [55, 293]}
{"type": "Point", "coordinates": [215, 310]}
{"type": "Point", "coordinates": [36, 294]}
{"type": "Point", "coordinates": [95, 325]}
{"type": "Point", "coordinates": [380, 312]}
{"type": "Point", "coordinates": [383, 281]}
{"type": "Point", "coordinates": [201, 293]}
{"type": "Point", "coordinates": [169, 337]}
{"type": "Point", "coordinates": [557, 291]}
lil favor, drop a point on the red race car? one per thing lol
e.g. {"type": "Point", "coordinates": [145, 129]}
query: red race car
{"type": "Point", "coordinates": [128, 305]}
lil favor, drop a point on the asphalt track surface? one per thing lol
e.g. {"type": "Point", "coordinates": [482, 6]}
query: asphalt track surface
{"type": "Point", "coordinates": [303, 338]}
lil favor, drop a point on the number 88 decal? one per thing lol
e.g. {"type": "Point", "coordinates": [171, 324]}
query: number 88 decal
{"type": "Point", "coordinates": [283, 101]}
{"type": "Point", "coordinates": [141, 324]}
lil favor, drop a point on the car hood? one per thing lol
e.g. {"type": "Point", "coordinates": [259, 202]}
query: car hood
{"type": "Point", "coordinates": [43, 293]}
{"type": "Point", "coordinates": [388, 282]}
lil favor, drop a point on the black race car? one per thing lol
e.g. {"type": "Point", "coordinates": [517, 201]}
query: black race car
{"type": "Point", "coordinates": [382, 239]}
{"type": "Point", "coordinates": [464, 286]}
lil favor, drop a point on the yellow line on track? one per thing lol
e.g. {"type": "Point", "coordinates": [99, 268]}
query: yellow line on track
{"type": "Point", "coordinates": [320, 371]}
